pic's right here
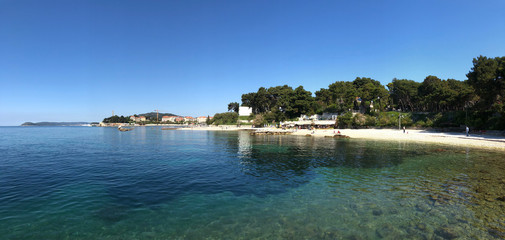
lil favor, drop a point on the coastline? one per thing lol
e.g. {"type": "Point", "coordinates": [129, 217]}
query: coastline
{"type": "Point", "coordinates": [453, 138]}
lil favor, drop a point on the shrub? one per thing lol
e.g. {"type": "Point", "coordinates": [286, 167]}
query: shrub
{"type": "Point", "coordinates": [429, 123]}
{"type": "Point", "coordinates": [227, 118]}
{"type": "Point", "coordinates": [420, 123]}
{"type": "Point", "coordinates": [345, 120]}
{"type": "Point", "coordinates": [370, 121]}
{"type": "Point", "coordinates": [259, 121]}
{"type": "Point", "coordinates": [359, 120]}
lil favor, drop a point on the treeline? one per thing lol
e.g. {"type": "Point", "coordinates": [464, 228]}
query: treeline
{"type": "Point", "coordinates": [117, 119]}
{"type": "Point", "coordinates": [480, 99]}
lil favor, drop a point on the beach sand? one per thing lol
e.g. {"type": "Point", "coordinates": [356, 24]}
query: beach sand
{"type": "Point", "coordinates": [459, 139]}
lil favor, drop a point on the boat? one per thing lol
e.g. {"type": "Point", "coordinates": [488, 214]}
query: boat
{"type": "Point", "coordinates": [120, 128]}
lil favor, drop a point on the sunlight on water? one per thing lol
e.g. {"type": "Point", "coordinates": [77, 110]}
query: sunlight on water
{"type": "Point", "coordinates": [89, 183]}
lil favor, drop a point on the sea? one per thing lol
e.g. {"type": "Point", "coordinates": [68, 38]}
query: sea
{"type": "Point", "coordinates": [149, 183]}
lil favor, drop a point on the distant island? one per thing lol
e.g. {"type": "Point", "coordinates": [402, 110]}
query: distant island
{"type": "Point", "coordinates": [56, 124]}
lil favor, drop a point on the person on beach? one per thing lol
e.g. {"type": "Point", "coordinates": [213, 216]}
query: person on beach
{"type": "Point", "coordinates": [467, 130]}
{"type": "Point", "coordinates": [403, 129]}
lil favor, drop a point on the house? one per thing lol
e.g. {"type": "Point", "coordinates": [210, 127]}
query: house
{"type": "Point", "coordinates": [179, 119]}
{"type": "Point", "coordinates": [329, 116]}
{"type": "Point", "coordinates": [306, 118]}
{"type": "Point", "coordinates": [138, 119]}
{"type": "Point", "coordinates": [171, 118]}
{"type": "Point", "coordinates": [201, 119]}
{"type": "Point", "coordinates": [244, 111]}
{"type": "Point", "coordinates": [165, 118]}
{"type": "Point", "coordinates": [189, 119]}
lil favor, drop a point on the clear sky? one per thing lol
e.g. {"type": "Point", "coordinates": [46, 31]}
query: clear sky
{"type": "Point", "coordinates": [66, 60]}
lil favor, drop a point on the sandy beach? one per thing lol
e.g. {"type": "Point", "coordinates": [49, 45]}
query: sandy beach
{"type": "Point", "coordinates": [459, 139]}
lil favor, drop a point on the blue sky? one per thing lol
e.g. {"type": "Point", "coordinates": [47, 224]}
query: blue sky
{"type": "Point", "coordinates": [80, 60]}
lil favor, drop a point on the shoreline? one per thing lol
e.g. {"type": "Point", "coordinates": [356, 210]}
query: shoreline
{"type": "Point", "coordinates": [424, 136]}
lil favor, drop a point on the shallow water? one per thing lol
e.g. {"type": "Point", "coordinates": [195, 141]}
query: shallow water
{"type": "Point", "coordinates": [99, 183]}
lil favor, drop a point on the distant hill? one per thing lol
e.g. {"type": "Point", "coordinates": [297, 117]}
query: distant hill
{"type": "Point", "coordinates": [55, 124]}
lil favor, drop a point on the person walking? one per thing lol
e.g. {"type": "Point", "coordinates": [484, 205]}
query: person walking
{"type": "Point", "coordinates": [467, 130]}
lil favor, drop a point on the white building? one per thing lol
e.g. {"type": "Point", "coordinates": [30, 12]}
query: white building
{"type": "Point", "coordinates": [329, 116]}
{"type": "Point", "coordinates": [244, 111]}
{"type": "Point", "coordinates": [172, 118]}
{"type": "Point", "coordinates": [201, 119]}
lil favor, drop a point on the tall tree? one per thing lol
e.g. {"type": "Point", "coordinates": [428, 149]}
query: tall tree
{"type": "Point", "coordinates": [233, 106]}
{"type": "Point", "coordinates": [431, 92]}
{"type": "Point", "coordinates": [487, 76]}
{"type": "Point", "coordinates": [248, 99]}
{"type": "Point", "coordinates": [323, 100]}
{"type": "Point", "coordinates": [302, 102]}
{"type": "Point", "coordinates": [404, 93]}
{"type": "Point", "coordinates": [343, 95]}
{"type": "Point", "coordinates": [369, 90]}
{"type": "Point", "coordinates": [462, 94]}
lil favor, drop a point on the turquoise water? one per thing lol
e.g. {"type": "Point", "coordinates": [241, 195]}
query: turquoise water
{"type": "Point", "coordinates": [99, 183]}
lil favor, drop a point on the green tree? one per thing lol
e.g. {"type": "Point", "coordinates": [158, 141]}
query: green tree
{"type": "Point", "coordinates": [279, 99]}
{"type": "Point", "coordinates": [369, 89]}
{"type": "Point", "coordinates": [259, 120]}
{"type": "Point", "coordinates": [404, 93]}
{"type": "Point", "coordinates": [302, 102]}
{"type": "Point", "coordinates": [275, 99]}
{"type": "Point", "coordinates": [116, 119]}
{"type": "Point", "coordinates": [323, 100]}
{"type": "Point", "coordinates": [233, 106]}
{"type": "Point", "coordinates": [432, 92]}
{"type": "Point", "coordinates": [487, 76]}
{"type": "Point", "coordinates": [462, 94]}
{"type": "Point", "coordinates": [345, 120]}
{"type": "Point", "coordinates": [227, 118]}
{"type": "Point", "coordinates": [343, 95]}
{"type": "Point", "coordinates": [438, 95]}
{"type": "Point", "coordinates": [248, 99]}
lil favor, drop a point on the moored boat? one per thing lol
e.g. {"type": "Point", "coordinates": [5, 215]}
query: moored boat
{"type": "Point", "coordinates": [120, 128]}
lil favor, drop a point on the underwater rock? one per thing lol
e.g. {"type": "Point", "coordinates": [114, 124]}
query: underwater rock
{"type": "Point", "coordinates": [388, 231]}
{"type": "Point", "coordinates": [422, 207]}
{"type": "Point", "coordinates": [393, 211]}
{"type": "Point", "coordinates": [340, 136]}
{"type": "Point", "coordinates": [421, 226]}
{"type": "Point", "coordinates": [355, 237]}
{"type": "Point", "coordinates": [332, 234]}
{"type": "Point", "coordinates": [498, 233]}
{"type": "Point", "coordinates": [480, 189]}
{"type": "Point", "coordinates": [448, 232]}
{"type": "Point", "coordinates": [502, 198]}
{"type": "Point", "coordinates": [112, 213]}
{"type": "Point", "coordinates": [377, 212]}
